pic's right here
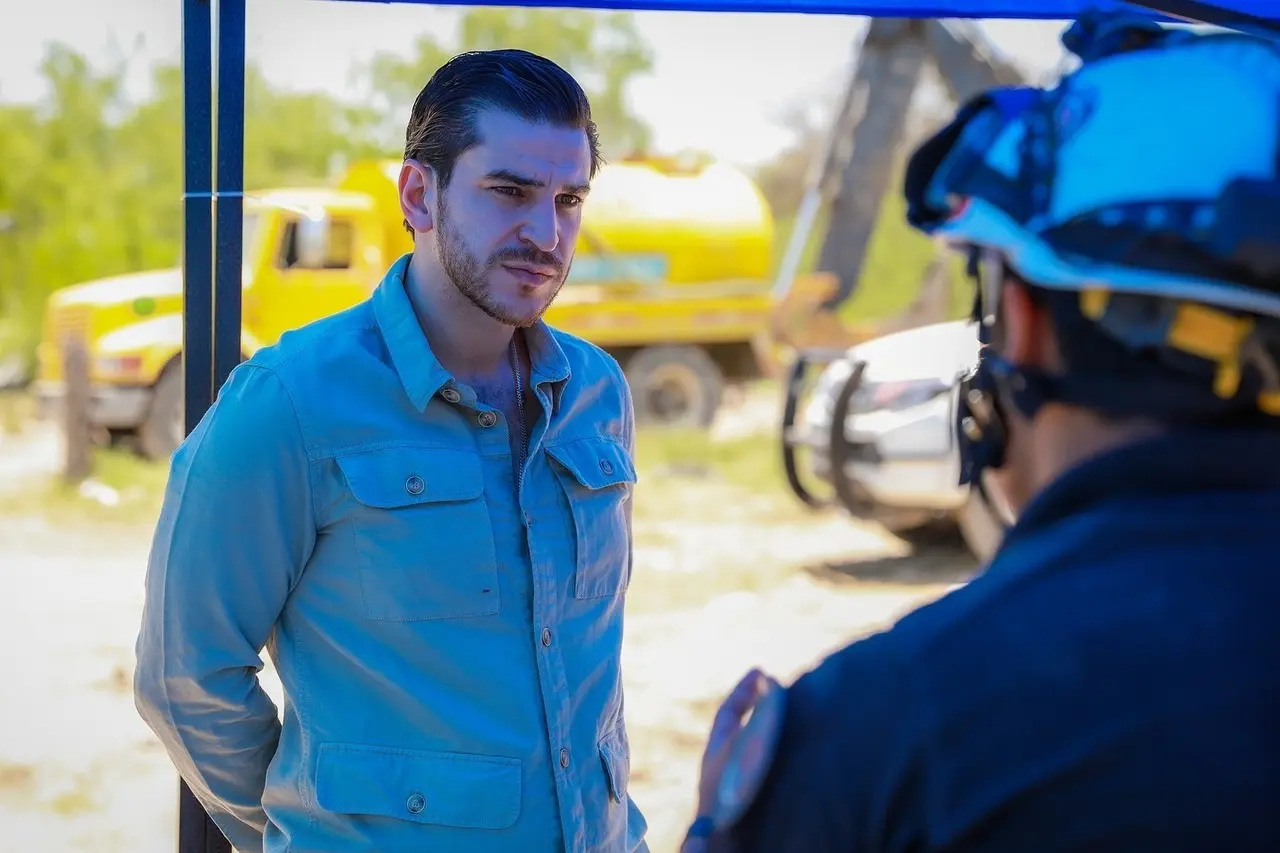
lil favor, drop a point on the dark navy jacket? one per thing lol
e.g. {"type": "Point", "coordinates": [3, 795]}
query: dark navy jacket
{"type": "Point", "coordinates": [1110, 683]}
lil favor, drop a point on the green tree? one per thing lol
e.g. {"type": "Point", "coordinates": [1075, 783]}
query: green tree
{"type": "Point", "coordinates": [603, 51]}
{"type": "Point", "coordinates": [92, 184]}
{"type": "Point", "coordinates": [58, 190]}
{"type": "Point", "coordinates": [898, 256]}
{"type": "Point", "coordinates": [302, 138]}
{"type": "Point", "coordinates": [20, 152]}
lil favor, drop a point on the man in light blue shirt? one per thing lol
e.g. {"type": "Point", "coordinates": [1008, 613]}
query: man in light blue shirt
{"type": "Point", "coordinates": [422, 508]}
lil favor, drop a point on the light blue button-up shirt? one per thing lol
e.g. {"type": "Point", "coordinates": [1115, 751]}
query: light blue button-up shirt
{"type": "Point", "coordinates": [449, 648]}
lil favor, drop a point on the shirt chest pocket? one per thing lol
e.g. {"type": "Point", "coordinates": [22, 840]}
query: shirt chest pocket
{"type": "Point", "coordinates": [423, 534]}
{"type": "Point", "coordinates": [598, 477]}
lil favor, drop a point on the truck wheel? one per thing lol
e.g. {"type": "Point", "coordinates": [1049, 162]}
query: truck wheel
{"type": "Point", "coordinates": [979, 526]}
{"type": "Point", "coordinates": [674, 386]}
{"type": "Point", "coordinates": [121, 439]}
{"type": "Point", "coordinates": [162, 430]}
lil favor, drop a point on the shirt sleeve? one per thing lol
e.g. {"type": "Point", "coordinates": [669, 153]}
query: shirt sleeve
{"type": "Point", "coordinates": [235, 531]}
{"type": "Point", "coordinates": [842, 776]}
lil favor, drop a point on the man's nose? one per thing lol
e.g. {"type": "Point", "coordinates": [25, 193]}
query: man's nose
{"type": "Point", "coordinates": [542, 228]}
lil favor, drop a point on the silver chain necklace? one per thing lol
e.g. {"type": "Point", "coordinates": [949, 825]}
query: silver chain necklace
{"type": "Point", "coordinates": [522, 443]}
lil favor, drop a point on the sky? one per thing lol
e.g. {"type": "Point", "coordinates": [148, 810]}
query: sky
{"type": "Point", "coordinates": [719, 81]}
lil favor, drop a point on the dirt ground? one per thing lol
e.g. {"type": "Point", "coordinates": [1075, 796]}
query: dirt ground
{"type": "Point", "coordinates": [726, 579]}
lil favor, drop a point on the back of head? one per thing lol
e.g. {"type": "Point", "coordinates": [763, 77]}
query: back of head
{"type": "Point", "coordinates": [1138, 201]}
{"type": "Point", "coordinates": [442, 124]}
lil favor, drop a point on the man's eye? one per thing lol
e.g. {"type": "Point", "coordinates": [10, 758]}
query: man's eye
{"type": "Point", "coordinates": [569, 200]}
{"type": "Point", "coordinates": [510, 192]}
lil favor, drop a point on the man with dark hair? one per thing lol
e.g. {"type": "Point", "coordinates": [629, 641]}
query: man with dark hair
{"type": "Point", "coordinates": [422, 506]}
{"type": "Point", "coordinates": [1111, 681]}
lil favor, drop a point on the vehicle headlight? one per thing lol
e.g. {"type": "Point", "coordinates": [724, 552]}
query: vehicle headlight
{"type": "Point", "coordinates": [118, 365]}
{"type": "Point", "coordinates": [895, 396]}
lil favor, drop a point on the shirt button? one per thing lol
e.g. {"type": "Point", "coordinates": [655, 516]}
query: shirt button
{"type": "Point", "coordinates": [414, 485]}
{"type": "Point", "coordinates": [487, 419]}
{"type": "Point", "coordinates": [450, 395]}
{"type": "Point", "coordinates": [564, 758]}
{"type": "Point", "coordinates": [546, 636]}
{"type": "Point", "coordinates": [606, 466]}
{"type": "Point", "coordinates": [416, 803]}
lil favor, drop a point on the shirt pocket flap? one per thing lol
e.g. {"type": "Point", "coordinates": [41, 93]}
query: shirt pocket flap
{"type": "Point", "coordinates": [616, 755]}
{"type": "Point", "coordinates": [596, 463]}
{"type": "Point", "coordinates": [408, 476]}
{"type": "Point", "coordinates": [442, 788]}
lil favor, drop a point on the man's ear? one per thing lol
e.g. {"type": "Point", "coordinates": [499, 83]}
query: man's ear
{"type": "Point", "coordinates": [417, 186]}
{"type": "Point", "coordinates": [1027, 337]}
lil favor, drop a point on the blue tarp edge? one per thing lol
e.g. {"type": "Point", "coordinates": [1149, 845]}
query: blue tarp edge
{"type": "Point", "coordinates": [1023, 9]}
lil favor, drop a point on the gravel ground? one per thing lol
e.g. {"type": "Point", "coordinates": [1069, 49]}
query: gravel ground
{"type": "Point", "coordinates": [80, 772]}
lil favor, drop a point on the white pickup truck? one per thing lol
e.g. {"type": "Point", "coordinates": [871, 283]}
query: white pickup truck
{"type": "Point", "coordinates": [895, 460]}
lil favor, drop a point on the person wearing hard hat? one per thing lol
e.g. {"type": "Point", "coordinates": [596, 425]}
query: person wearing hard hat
{"type": "Point", "coordinates": [1111, 680]}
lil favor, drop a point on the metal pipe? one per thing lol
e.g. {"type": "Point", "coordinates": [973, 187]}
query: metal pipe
{"type": "Point", "coordinates": [229, 202]}
{"type": "Point", "coordinates": [197, 209]}
{"type": "Point", "coordinates": [197, 833]}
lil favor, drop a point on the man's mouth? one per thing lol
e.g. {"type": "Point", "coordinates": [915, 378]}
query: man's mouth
{"type": "Point", "coordinates": [531, 274]}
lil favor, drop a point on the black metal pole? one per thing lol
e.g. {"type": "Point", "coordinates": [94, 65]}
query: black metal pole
{"type": "Point", "coordinates": [229, 254]}
{"type": "Point", "coordinates": [197, 833]}
{"type": "Point", "coordinates": [197, 203]}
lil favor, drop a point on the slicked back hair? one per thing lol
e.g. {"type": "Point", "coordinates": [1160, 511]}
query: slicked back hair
{"type": "Point", "coordinates": [443, 122]}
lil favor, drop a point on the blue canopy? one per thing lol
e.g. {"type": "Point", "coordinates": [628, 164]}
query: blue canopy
{"type": "Point", "coordinates": [1029, 9]}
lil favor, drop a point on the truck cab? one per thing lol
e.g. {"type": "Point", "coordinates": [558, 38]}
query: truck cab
{"type": "Point", "coordinates": [307, 254]}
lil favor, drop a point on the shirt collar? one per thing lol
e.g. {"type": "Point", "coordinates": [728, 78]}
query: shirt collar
{"type": "Point", "coordinates": [1183, 460]}
{"type": "Point", "coordinates": [550, 366]}
{"type": "Point", "coordinates": [421, 373]}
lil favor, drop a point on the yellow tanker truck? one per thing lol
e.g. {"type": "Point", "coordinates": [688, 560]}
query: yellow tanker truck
{"type": "Point", "coordinates": [671, 276]}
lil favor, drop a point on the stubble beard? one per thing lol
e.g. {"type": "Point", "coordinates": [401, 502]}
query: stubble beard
{"type": "Point", "coordinates": [468, 275]}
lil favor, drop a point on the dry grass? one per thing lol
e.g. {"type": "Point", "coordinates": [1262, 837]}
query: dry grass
{"type": "Point", "coordinates": [17, 410]}
{"type": "Point", "coordinates": [16, 778]}
{"type": "Point", "coordinates": [670, 461]}
{"type": "Point", "coordinates": [123, 490]}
